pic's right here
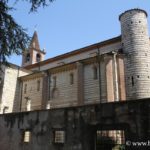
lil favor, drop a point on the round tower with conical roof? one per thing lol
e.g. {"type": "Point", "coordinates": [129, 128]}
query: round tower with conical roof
{"type": "Point", "coordinates": [136, 46]}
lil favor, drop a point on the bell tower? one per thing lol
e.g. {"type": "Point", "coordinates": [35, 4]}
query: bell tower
{"type": "Point", "coordinates": [34, 54]}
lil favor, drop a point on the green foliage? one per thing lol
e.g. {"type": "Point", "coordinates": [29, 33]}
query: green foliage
{"type": "Point", "coordinates": [13, 38]}
{"type": "Point", "coordinates": [35, 4]}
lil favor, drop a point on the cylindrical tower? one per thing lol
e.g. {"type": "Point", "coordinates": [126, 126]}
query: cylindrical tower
{"type": "Point", "coordinates": [136, 46]}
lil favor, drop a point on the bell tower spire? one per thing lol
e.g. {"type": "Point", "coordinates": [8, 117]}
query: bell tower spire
{"type": "Point", "coordinates": [35, 42]}
{"type": "Point", "coordinates": [33, 54]}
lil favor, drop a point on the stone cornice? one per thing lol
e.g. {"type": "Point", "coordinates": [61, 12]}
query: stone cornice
{"type": "Point", "coordinates": [76, 52]}
{"type": "Point", "coordinates": [90, 61]}
{"type": "Point", "coordinates": [70, 66]}
{"type": "Point", "coordinates": [32, 76]}
{"type": "Point", "coordinates": [63, 68]}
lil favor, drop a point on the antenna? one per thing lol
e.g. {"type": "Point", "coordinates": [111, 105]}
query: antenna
{"type": "Point", "coordinates": [35, 27]}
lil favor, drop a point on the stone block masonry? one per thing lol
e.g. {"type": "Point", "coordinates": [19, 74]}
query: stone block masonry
{"type": "Point", "coordinates": [136, 46]}
{"type": "Point", "coordinates": [76, 127]}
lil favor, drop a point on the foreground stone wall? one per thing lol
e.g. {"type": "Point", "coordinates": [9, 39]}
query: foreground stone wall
{"type": "Point", "coordinates": [79, 124]}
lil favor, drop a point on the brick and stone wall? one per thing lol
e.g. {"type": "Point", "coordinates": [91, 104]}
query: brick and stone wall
{"type": "Point", "coordinates": [32, 90]}
{"type": "Point", "coordinates": [34, 56]}
{"type": "Point", "coordinates": [95, 89]}
{"type": "Point", "coordinates": [79, 125]}
{"type": "Point", "coordinates": [63, 91]}
{"type": "Point", "coordinates": [91, 84]}
{"type": "Point", "coordinates": [86, 87]}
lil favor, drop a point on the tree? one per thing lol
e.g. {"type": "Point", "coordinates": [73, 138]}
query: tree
{"type": "Point", "coordinates": [13, 37]}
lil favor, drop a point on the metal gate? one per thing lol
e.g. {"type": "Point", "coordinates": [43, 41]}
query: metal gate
{"type": "Point", "coordinates": [110, 140]}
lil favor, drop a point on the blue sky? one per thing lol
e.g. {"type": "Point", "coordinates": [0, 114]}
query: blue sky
{"type": "Point", "coordinates": [67, 25]}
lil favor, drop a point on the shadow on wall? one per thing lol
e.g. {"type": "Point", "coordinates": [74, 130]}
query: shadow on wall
{"type": "Point", "coordinates": [18, 95]}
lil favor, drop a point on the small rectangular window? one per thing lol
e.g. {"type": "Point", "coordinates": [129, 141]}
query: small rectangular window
{"type": "Point", "coordinates": [38, 85]}
{"type": "Point", "coordinates": [54, 81]}
{"type": "Point", "coordinates": [59, 136]}
{"type": "Point", "coordinates": [25, 88]}
{"type": "Point", "coordinates": [95, 75]}
{"type": "Point", "coordinates": [71, 78]}
{"type": "Point", "coordinates": [26, 136]}
{"type": "Point", "coordinates": [132, 80]}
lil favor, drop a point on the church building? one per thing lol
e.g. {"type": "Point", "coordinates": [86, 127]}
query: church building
{"type": "Point", "coordinates": [116, 69]}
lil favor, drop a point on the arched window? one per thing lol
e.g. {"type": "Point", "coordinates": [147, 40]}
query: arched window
{"type": "Point", "coordinates": [28, 57]}
{"type": "Point", "coordinates": [38, 57]}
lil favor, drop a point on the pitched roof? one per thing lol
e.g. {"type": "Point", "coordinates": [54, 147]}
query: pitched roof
{"type": "Point", "coordinates": [75, 52]}
{"type": "Point", "coordinates": [35, 42]}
